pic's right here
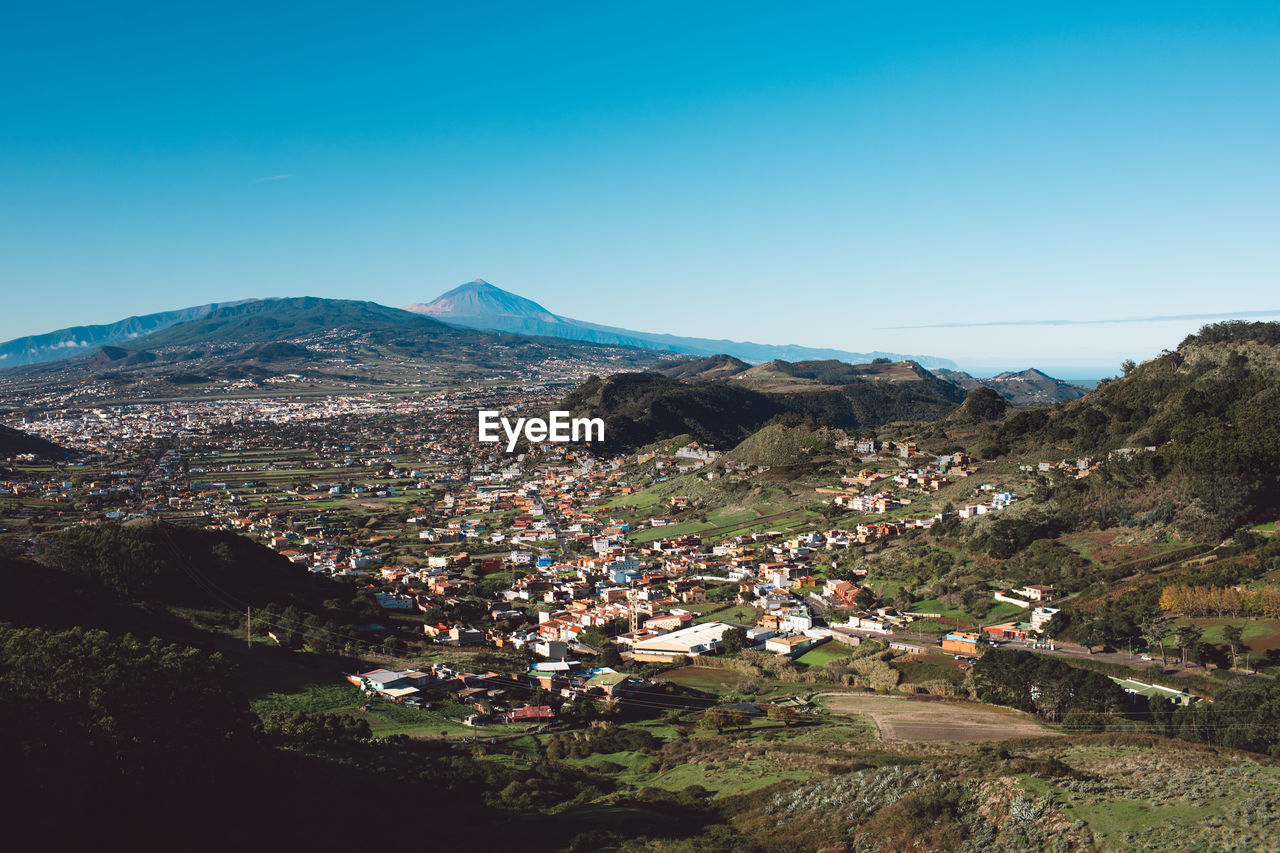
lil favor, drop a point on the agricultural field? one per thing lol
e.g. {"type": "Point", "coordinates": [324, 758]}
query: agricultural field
{"type": "Point", "coordinates": [911, 720]}
{"type": "Point", "coordinates": [824, 654]}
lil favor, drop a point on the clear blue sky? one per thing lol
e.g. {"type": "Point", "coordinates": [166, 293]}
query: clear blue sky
{"type": "Point", "coordinates": [788, 173]}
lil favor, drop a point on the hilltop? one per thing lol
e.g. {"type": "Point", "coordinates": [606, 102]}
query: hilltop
{"type": "Point", "coordinates": [782, 444]}
{"type": "Point", "coordinates": [480, 305]}
{"type": "Point", "coordinates": [709, 368]}
{"type": "Point", "coordinates": [643, 408]}
{"type": "Point", "coordinates": [1196, 430]}
{"type": "Point", "coordinates": [1025, 389]}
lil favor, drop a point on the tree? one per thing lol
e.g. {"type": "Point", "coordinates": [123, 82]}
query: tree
{"type": "Point", "coordinates": [779, 714]}
{"type": "Point", "coordinates": [734, 640]}
{"type": "Point", "coordinates": [1187, 636]}
{"type": "Point", "coordinates": [984, 404]}
{"type": "Point", "coordinates": [716, 719]}
{"type": "Point", "coordinates": [1156, 630]}
{"type": "Point", "coordinates": [610, 656]}
{"type": "Point", "coordinates": [1051, 629]}
{"type": "Point", "coordinates": [736, 718]}
{"type": "Point", "coordinates": [865, 598]}
{"type": "Point", "coordinates": [1091, 635]}
{"type": "Point", "coordinates": [1127, 366]}
{"type": "Point", "coordinates": [1234, 635]}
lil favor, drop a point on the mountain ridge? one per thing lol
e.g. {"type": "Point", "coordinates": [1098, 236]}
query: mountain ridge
{"type": "Point", "coordinates": [313, 336]}
{"type": "Point", "coordinates": [75, 340]}
{"type": "Point", "coordinates": [1025, 388]}
{"type": "Point", "coordinates": [479, 304]}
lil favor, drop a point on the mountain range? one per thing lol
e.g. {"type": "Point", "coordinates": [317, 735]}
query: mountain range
{"type": "Point", "coordinates": [1027, 389]}
{"type": "Point", "coordinates": [65, 343]}
{"type": "Point", "coordinates": [475, 306]}
{"type": "Point", "coordinates": [480, 305]}
{"type": "Point", "coordinates": [324, 340]}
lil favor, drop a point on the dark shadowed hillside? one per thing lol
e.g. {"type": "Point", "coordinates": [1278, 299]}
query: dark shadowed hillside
{"type": "Point", "coordinates": [639, 408]}
{"type": "Point", "coordinates": [15, 442]}
{"type": "Point", "coordinates": [280, 319]}
{"type": "Point", "coordinates": [175, 565]}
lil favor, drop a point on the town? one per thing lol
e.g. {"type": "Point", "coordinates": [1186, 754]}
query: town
{"type": "Point", "coordinates": [580, 563]}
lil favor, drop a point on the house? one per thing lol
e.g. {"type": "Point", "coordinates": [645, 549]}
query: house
{"type": "Point", "coordinates": [1008, 631]}
{"type": "Point", "coordinates": [532, 714]}
{"type": "Point", "coordinates": [669, 621]}
{"type": "Point", "coordinates": [960, 643]}
{"type": "Point", "coordinates": [396, 685]}
{"type": "Point", "coordinates": [552, 649]}
{"type": "Point", "coordinates": [460, 636]}
{"type": "Point", "coordinates": [377, 679]}
{"type": "Point", "coordinates": [1037, 592]}
{"type": "Point", "coordinates": [1042, 616]}
{"type": "Point", "coordinates": [1154, 691]}
{"type": "Point", "coordinates": [613, 684]}
{"type": "Point", "coordinates": [694, 595]}
{"type": "Point", "coordinates": [840, 592]}
{"type": "Point", "coordinates": [789, 646]}
{"type": "Point", "coordinates": [796, 619]}
{"type": "Point", "coordinates": [879, 624]}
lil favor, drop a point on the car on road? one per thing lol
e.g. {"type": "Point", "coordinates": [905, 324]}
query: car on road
{"type": "Point", "coordinates": [1146, 657]}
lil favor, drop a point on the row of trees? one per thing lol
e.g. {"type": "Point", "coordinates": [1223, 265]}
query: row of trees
{"type": "Point", "coordinates": [720, 718]}
{"type": "Point", "coordinates": [1221, 600]}
{"type": "Point", "coordinates": [1244, 714]}
{"type": "Point", "coordinates": [1189, 640]}
{"type": "Point", "coordinates": [1045, 686]}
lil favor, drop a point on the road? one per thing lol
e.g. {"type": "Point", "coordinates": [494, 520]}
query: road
{"type": "Point", "coordinates": [555, 526]}
{"type": "Point", "coordinates": [1062, 650]}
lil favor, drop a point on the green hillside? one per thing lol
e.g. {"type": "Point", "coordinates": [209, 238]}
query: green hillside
{"type": "Point", "coordinates": [1197, 429]}
{"type": "Point", "coordinates": [640, 408]}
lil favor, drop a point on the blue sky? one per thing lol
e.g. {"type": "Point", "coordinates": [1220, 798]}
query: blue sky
{"type": "Point", "coordinates": [841, 174]}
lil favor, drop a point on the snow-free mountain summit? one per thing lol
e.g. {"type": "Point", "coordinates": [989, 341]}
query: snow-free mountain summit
{"type": "Point", "coordinates": [480, 305]}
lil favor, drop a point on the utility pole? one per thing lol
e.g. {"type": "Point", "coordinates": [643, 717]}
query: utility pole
{"type": "Point", "coordinates": [248, 627]}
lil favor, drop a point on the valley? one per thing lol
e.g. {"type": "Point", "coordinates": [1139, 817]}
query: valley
{"type": "Point", "coordinates": [740, 598]}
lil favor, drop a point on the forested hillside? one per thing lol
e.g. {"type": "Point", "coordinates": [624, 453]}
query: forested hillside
{"type": "Point", "coordinates": [1196, 429]}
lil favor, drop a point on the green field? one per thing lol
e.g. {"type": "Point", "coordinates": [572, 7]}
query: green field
{"type": "Point", "coordinates": [825, 654]}
{"type": "Point", "coordinates": [705, 678]}
{"type": "Point", "coordinates": [1258, 634]}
